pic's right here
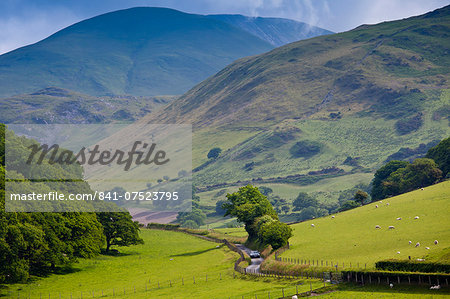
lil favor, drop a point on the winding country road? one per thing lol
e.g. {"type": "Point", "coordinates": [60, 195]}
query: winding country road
{"type": "Point", "coordinates": [256, 262]}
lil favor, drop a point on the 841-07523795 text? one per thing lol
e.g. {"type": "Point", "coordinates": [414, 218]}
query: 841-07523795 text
{"type": "Point", "coordinates": [103, 196]}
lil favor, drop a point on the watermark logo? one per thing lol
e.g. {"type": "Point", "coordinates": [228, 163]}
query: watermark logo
{"type": "Point", "coordinates": [139, 167]}
{"type": "Point", "coordinates": [106, 157]}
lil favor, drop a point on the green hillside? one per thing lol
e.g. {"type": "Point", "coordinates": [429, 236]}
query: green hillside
{"type": "Point", "coordinates": [326, 107]}
{"type": "Point", "coordinates": [351, 237]}
{"type": "Point", "coordinates": [57, 105]}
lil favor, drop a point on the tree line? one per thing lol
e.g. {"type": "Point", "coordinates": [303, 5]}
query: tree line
{"type": "Point", "coordinates": [39, 243]}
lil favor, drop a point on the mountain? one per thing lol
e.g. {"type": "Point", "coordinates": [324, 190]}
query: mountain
{"type": "Point", "coordinates": [58, 106]}
{"type": "Point", "coordinates": [137, 51]}
{"type": "Point", "coordinates": [276, 31]}
{"type": "Point", "coordinates": [327, 107]}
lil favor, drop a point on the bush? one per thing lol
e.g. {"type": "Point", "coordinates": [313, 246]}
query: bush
{"type": "Point", "coordinates": [190, 224]}
{"type": "Point", "coordinates": [214, 153]}
{"type": "Point", "coordinates": [275, 233]}
{"type": "Point", "coordinates": [409, 125]}
{"type": "Point", "coordinates": [305, 149]}
{"type": "Point", "coordinates": [307, 213]}
{"type": "Point", "coordinates": [304, 200]}
{"type": "Point", "coordinates": [441, 155]}
{"type": "Point", "coordinates": [348, 205]}
{"type": "Point", "coordinates": [163, 226]}
{"type": "Point", "coordinates": [412, 266]}
{"type": "Point", "coordinates": [219, 207]}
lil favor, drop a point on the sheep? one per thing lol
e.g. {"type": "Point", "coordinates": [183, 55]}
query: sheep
{"type": "Point", "coordinates": [332, 217]}
{"type": "Point", "coordinates": [417, 244]}
{"type": "Point", "coordinates": [399, 218]}
{"type": "Point", "coordinates": [391, 285]}
{"type": "Point", "coordinates": [377, 226]}
{"type": "Point", "coordinates": [436, 242]}
{"type": "Point", "coordinates": [398, 252]}
{"type": "Point", "coordinates": [410, 242]}
{"type": "Point", "coordinates": [420, 260]}
{"type": "Point", "coordinates": [391, 227]}
{"type": "Point", "coordinates": [312, 225]}
{"type": "Point", "coordinates": [438, 287]}
{"type": "Point", "coordinates": [294, 297]}
{"type": "Point", "coordinates": [421, 189]}
{"type": "Point", "coordinates": [427, 247]}
{"type": "Point", "coordinates": [376, 206]}
{"type": "Point", "coordinates": [417, 217]}
{"type": "Point", "coordinates": [387, 204]}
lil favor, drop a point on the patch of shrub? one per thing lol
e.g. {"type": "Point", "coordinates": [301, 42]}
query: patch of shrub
{"type": "Point", "coordinates": [409, 154]}
{"type": "Point", "coordinates": [348, 205]}
{"type": "Point", "coordinates": [409, 125]}
{"type": "Point", "coordinates": [305, 149]}
{"type": "Point", "coordinates": [163, 226]}
{"type": "Point", "coordinates": [412, 266]}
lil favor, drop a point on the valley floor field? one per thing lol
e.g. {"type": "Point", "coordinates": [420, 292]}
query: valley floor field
{"type": "Point", "coordinates": [167, 258]}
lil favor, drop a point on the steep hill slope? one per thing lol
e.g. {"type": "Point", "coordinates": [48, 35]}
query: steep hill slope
{"type": "Point", "coordinates": [276, 31]}
{"type": "Point", "coordinates": [351, 236]}
{"type": "Point", "coordinates": [57, 105]}
{"type": "Point", "coordinates": [347, 100]}
{"type": "Point", "coordinates": [138, 51]}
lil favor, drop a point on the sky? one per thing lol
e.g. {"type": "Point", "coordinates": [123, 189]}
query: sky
{"type": "Point", "coordinates": [24, 22]}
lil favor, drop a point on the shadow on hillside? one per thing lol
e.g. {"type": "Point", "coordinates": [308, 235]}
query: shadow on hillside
{"type": "Point", "coordinates": [195, 252]}
{"type": "Point", "coordinates": [115, 252]}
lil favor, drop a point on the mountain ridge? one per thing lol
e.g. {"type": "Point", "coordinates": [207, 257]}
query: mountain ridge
{"type": "Point", "coordinates": [138, 51]}
{"type": "Point", "coordinates": [360, 95]}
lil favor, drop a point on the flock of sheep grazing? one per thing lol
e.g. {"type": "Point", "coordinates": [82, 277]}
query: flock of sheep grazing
{"type": "Point", "coordinates": [393, 227]}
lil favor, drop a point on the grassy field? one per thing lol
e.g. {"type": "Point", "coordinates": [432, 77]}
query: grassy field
{"type": "Point", "coordinates": [165, 258]}
{"type": "Point", "coordinates": [351, 236]}
{"type": "Point", "coordinates": [376, 292]}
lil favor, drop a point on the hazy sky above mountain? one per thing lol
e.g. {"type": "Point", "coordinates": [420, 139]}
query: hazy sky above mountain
{"type": "Point", "coordinates": [24, 22]}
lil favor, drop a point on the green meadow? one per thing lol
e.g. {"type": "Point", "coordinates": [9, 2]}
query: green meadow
{"type": "Point", "coordinates": [375, 291]}
{"type": "Point", "coordinates": [351, 237]}
{"type": "Point", "coordinates": [171, 259]}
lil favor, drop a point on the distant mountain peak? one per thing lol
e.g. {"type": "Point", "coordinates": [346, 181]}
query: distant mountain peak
{"type": "Point", "coordinates": [136, 51]}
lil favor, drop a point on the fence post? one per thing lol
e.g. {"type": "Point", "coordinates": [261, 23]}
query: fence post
{"type": "Point", "coordinates": [282, 290]}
